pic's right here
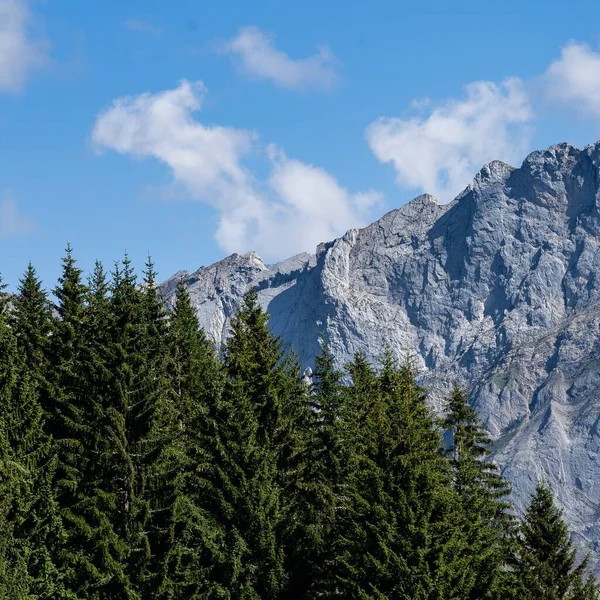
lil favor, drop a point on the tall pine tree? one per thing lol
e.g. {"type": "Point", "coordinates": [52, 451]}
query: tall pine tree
{"type": "Point", "coordinates": [251, 437]}
{"type": "Point", "coordinates": [546, 557]}
{"type": "Point", "coordinates": [482, 491]}
{"type": "Point", "coordinates": [188, 543]}
{"type": "Point", "coordinates": [14, 578]}
{"type": "Point", "coordinates": [37, 522]}
{"type": "Point", "coordinates": [366, 558]}
{"type": "Point", "coordinates": [318, 493]}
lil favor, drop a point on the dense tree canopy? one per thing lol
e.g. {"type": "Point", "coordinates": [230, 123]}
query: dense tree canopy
{"type": "Point", "coordinates": [139, 461]}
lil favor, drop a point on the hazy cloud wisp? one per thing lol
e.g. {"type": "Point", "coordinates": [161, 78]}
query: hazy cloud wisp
{"type": "Point", "coordinates": [259, 58]}
{"type": "Point", "coordinates": [21, 49]}
{"type": "Point", "coordinates": [11, 222]}
{"type": "Point", "coordinates": [142, 26]}
{"type": "Point", "coordinates": [573, 81]}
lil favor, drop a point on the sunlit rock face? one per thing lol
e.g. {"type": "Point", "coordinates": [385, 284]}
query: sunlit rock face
{"type": "Point", "coordinates": [498, 290]}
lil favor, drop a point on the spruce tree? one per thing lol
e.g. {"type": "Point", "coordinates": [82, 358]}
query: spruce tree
{"type": "Point", "coordinates": [31, 320]}
{"type": "Point", "coordinates": [188, 545]}
{"type": "Point", "coordinates": [130, 388]}
{"type": "Point", "coordinates": [151, 416]}
{"type": "Point", "coordinates": [88, 427]}
{"type": "Point", "coordinates": [102, 538]}
{"type": "Point", "coordinates": [406, 542]}
{"type": "Point", "coordinates": [428, 537]}
{"type": "Point", "coordinates": [14, 578]}
{"type": "Point", "coordinates": [38, 525]}
{"type": "Point", "coordinates": [485, 521]}
{"type": "Point", "coordinates": [248, 446]}
{"type": "Point", "coordinates": [365, 556]}
{"type": "Point", "coordinates": [68, 413]}
{"type": "Point", "coordinates": [318, 493]}
{"type": "Point", "coordinates": [546, 557]}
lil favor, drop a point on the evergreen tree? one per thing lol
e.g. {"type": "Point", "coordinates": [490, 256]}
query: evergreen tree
{"type": "Point", "coordinates": [188, 545]}
{"type": "Point", "coordinates": [410, 543]}
{"type": "Point", "coordinates": [68, 414]}
{"type": "Point", "coordinates": [546, 559]}
{"type": "Point", "coordinates": [249, 442]}
{"type": "Point", "coordinates": [318, 493]}
{"type": "Point", "coordinates": [90, 449]}
{"type": "Point", "coordinates": [31, 320]}
{"type": "Point", "coordinates": [14, 579]}
{"type": "Point", "coordinates": [429, 539]}
{"type": "Point", "coordinates": [130, 389]}
{"type": "Point", "coordinates": [485, 522]}
{"type": "Point", "coordinates": [37, 523]}
{"type": "Point", "coordinates": [366, 558]}
{"type": "Point", "coordinates": [151, 416]}
{"type": "Point", "coordinates": [107, 479]}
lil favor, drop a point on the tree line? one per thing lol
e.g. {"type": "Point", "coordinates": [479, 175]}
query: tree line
{"type": "Point", "coordinates": [138, 462]}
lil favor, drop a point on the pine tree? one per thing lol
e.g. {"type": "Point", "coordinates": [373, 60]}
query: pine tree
{"type": "Point", "coordinates": [366, 558]}
{"type": "Point", "coordinates": [87, 426]}
{"type": "Point", "coordinates": [31, 320]}
{"type": "Point", "coordinates": [428, 537]}
{"type": "Point", "coordinates": [585, 589]}
{"type": "Point", "coordinates": [131, 388]}
{"type": "Point", "coordinates": [485, 521]}
{"type": "Point", "coordinates": [404, 540]}
{"type": "Point", "coordinates": [68, 413]}
{"type": "Point", "coordinates": [14, 578]}
{"type": "Point", "coordinates": [151, 417]}
{"type": "Point", "coordinates": [248, 452]}
{"type": "Point", "coordinates": [318, 490]}
{"type": "Point", "coordinates": [546, 557]}
{"type": "Point", "coordinates": [102, 539]}
{"type": "Point", "coordinates": [37, 524]}
{"type": "Point", "coordinates": [188, 544]}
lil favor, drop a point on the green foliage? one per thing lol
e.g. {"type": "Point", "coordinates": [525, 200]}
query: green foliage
{"type": "Point", "coordinates": [31, 321]}
{"type": "Point", "coordinates": [318, 484]}
{"type": "Point", "coordinates": [249, 440]}
{"type": "Point", "coordinates": [188, 543]}
{"type": "Point", "coordinates": [546, 557]}
{"type": "Point", "coordinates": [484, 512]}
{"type": "Point", "coordinates": [35, 522]}
{"type": "Point", "coordinates": [14, 578]}
{"type": "Point", "coordinates": [135, 462]}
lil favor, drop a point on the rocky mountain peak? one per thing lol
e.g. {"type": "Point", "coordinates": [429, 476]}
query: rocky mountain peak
{"type": "Point", "coordinates": [499, 290]}
{"type": "Point", "coordinates": [495, 171]}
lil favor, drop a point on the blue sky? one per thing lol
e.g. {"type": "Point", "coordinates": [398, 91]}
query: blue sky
{"type": "Point", "coordinates": [192, 129]}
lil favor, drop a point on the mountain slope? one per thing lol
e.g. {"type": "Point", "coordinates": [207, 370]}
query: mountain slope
{"type": "Point", "coordinates": [499, 290]}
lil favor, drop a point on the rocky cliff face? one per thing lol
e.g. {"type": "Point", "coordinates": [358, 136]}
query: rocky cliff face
{"type": "Point", "coordinates": [499, 289]}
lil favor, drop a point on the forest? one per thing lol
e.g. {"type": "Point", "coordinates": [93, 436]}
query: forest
{"type": "Point", "coordinates": [139, 462]}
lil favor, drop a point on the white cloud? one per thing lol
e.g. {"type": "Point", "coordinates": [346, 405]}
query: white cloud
{"type": "Point", "coordinates": [574, 79]}
{"type": "Point", "coordinates": [161, 126]}
{"type": "Point", "coordinates": [259, 58]}
{"type": "Point", "coordinates": [11, 222]}
{"type": "Point", "coordinates": [441, 152]}
{"type": "Point", "coordinates": [295, 208]}
{"type": "Point", "coordinates": [299, 206]}
{"type": "Point", "coordinates": [142, 26]}
{"type": "Point", "coordinates": [21, 49]}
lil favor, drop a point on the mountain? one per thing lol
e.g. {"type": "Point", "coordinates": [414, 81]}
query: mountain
{"type": "Point", "coordinates": [498, 290]}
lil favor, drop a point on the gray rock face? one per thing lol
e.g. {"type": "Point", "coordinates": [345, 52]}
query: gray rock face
{"type": "Point", "coordinates": [499, 290]}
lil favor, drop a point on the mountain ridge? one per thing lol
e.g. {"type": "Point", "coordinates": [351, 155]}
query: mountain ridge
{"type": "Point", "coordinates": [497, 290]}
